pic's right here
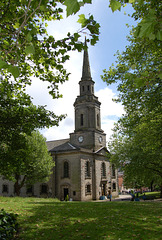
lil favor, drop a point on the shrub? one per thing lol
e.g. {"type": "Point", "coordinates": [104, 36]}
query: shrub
{"type": "Point", "coordinates": [8, 225]}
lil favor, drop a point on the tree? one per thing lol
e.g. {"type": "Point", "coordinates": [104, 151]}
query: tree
{"type": "Point", "coordinates": [19, 118]}
{"type": "Point", "coordinates": [27, 50]}
{"type": "Point", "coordinates": [136, 144]}
{"type": "Point", "coordinates": [147, 12]}
{"type": "Point", "coordinates": [27, 162]}
{"type": "Point", "coordinates": [19, 115]}
{"type": "Point", "coordinates": [138, 154]}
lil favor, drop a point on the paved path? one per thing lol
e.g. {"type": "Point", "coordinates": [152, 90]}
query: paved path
{"type": "Point", "coordinates": [124, 197]}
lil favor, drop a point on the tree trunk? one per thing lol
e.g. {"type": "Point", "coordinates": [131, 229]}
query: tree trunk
{"type": "Point", "coordinates": [17, 188]}
{"type": "Point", "coordinates": [152, 185]}
{"type": "Point", "coordinates": [17, 185]}
{"type": "Point", "coordinates": [161, 191]}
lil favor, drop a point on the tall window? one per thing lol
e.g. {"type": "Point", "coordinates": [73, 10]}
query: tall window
{"type": "Point", "coordinates": [81, 119]}
{"type": "Point", "coordinates": [87, 169]}
{"type": "Point", "coordinates": [103, 170]}
{"type": "Point", "coordinates": [44, 188]}
{"type": "Point", "coordinates": [5, 188]}
{"type": "Point", "coordinates": [88, 88]}
{"type": "Point", "coordinates": [98, 120]}
{"type": "Point", "coordinates": [66, 169]}
{"type": "Point", "coordinates": [88, 189]}
{"type": "Point", "coordinates": [114, 186]}
{"type": "Point", "coordinates": [113, 170]}
{"type": "Point", "coordinates": [29, 189]}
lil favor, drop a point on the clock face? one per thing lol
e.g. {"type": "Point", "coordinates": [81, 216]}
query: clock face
{"type": "Point", "coordinates": [80, 139]}
{"type": "Point", "coordinates": [100, 139]}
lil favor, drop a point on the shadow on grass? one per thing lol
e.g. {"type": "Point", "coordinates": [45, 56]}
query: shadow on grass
{"type": "Point", "coordinates": [91, 220]}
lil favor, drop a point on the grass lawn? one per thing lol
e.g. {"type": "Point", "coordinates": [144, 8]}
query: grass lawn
{"type": "Point", "coordinates": [48, 219]}
{"type": "Point", "coordinates": [150, 195]}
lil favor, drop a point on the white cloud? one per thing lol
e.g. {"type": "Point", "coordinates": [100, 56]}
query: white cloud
{"type": "Point", "coordinates": [110, 110]}
{"type": "Point", "coordinates": [70, 90]}
{"type": "Point", "coordinates": [109, 107]}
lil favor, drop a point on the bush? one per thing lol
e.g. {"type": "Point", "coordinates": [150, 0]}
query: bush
{"type": "Point", "coordinates": [8, 225]}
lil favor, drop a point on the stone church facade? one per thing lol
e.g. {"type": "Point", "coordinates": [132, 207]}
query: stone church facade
{"type": "Point", "coordinates": [82, 168]}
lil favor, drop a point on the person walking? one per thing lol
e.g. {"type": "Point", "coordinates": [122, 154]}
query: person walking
{"type": "Point", "coordinates": [109, 194]}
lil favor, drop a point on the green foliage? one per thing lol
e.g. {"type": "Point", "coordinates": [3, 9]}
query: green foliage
{"type": "Point", "coordinates": [19, 115]}
{"type": "Point", "coordinates": [8, 225]}
{"type": "Point", "coordinates": [51, 219]}
{"type": "Point", "coordinates": [26, 160]}
{"type": "Point", "coordinates": [39, 163]}
{"type": "Point", "coordinates": [91, 25]}
{"type": "Point", "coordinates": [148, 14]}
{"type": "Point", "coordinates": [27, 50]}
{"type": "Point", "coordinates": [136, 142]}
{"type": "Point", "coordinates": [115, 5]}
{"type": "Point", "coordinates": [73, 6]}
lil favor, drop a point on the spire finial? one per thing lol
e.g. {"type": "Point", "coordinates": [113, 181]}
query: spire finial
{"type": "Point", "coordinates": [86, 72]}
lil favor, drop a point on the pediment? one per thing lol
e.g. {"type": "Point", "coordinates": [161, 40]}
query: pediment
{"type": "Point", "coordinates": [102, 151]}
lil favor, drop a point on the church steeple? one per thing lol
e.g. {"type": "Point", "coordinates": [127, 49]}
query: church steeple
{"type": "Point", "coordinates": [86, 72]}
{"type": "Point", "coordinates": [86, 83]}
{"type": "Point", "coordinates": [88, 132]}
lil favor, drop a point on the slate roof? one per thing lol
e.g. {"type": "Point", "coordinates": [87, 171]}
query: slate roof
{"type": "Point", "coordinates": [55, 143]}
{"type": "Point", "coordinates": [102, 148]}
{"type": "Point", "coordinates": [64, 145]}
{"type": "Point", "coordinates": [67, 146]}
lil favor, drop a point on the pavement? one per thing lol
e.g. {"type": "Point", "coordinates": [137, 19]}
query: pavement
{"type": "Point", "coordinates": [127, 197]}
{"type": "Point", "coordinates": [124, 197]}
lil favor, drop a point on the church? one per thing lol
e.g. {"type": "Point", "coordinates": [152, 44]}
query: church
{"type": "Point", "coordinates": [82, 169]}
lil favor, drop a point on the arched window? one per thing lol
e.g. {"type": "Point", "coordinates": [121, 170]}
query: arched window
{"type": "Point", "coordinates": [81, 119]}
{"type": "Point", "coordinates": [113, 170]}
{"type": "Point", "coordinates": [87, 169]}
{"type": "Point", "coordinates": [66, 169]}
{"type": "Point", "coordinates": [103, 170]}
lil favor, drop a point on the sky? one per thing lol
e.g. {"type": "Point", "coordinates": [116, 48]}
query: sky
{"type": "Point", "coordinates": [113, 32]}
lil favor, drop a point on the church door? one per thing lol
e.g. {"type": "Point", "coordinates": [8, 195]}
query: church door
{"type": "Point", "coordinates": [66, 192]}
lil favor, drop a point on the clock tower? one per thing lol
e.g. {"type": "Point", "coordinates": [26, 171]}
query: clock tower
{"type": "Point", "coordinates": [88, 133]}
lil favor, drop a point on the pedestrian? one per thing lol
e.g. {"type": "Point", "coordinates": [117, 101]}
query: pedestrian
{"type": "Point", "coordinates": [110, 196]}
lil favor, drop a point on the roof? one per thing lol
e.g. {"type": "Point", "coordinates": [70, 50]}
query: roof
{"type": "Point", "coordinates": [67, 146]}
{"type": "Point", "coordinates": [102, 148]}
{"type": "Point", "coordinates": [64, 145]}
{"type": "Point", "coordinates": [55, 143]}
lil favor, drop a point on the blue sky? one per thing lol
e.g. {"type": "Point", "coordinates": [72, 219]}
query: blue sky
{"type": "Point", "coordinates": [113, 34]}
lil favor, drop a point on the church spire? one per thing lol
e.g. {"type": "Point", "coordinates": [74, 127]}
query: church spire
{"type": "Point", "coordinates": [86, 72]}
